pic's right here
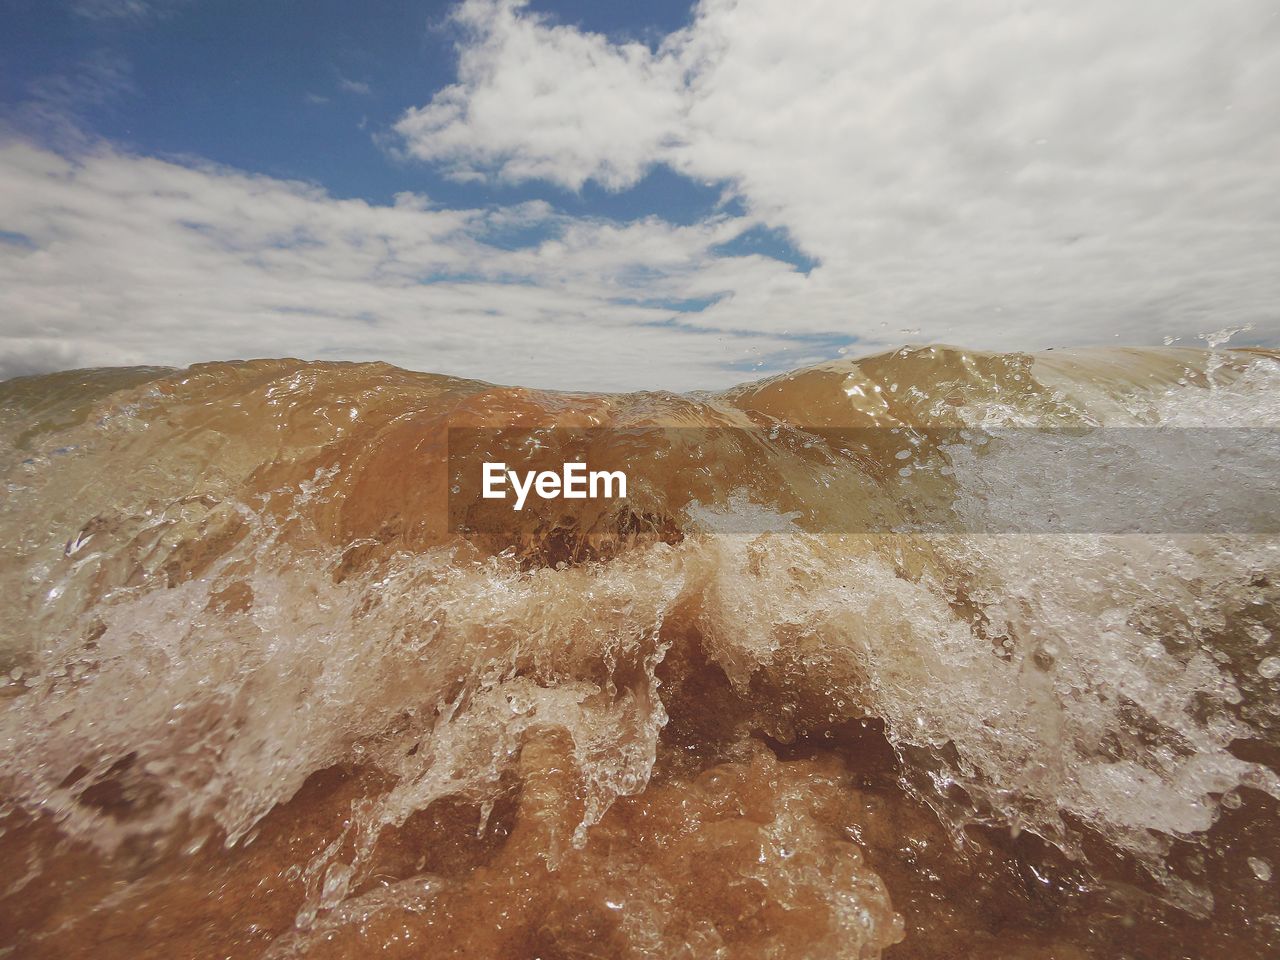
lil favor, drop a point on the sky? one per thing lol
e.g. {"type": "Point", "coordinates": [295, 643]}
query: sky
{"type": "Point", "coordinates": [615, 195]}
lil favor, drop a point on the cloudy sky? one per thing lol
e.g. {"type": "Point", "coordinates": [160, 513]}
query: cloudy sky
{"type": "Point", "coordinates": [601, 194]}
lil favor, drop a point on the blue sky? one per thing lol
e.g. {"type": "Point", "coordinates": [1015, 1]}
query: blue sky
{"type": "Point", "coordinates": [617, 195]}
{"type": "Point", "coordinates": [298, 89]}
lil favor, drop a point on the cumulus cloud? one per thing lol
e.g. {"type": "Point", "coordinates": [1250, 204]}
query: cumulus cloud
{"type": "Point", "coordinates": [992, 173]}
{"type": "Point", "coordinates": [112, 258]}
{"type": "Point", "coordinates": [538, 101]}
{"type": "Point", "coordinates": [995, 174]}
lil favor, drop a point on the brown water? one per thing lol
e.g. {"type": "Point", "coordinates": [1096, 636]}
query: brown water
{"type": "Point", "coordinates": [262, 702]}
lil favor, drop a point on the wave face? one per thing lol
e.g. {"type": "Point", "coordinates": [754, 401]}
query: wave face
{"type": "Point", "coordinates": [261, 701]}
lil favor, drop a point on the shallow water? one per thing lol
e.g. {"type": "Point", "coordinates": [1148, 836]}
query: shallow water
{"type": "Point", "coordinates": [264, 700]}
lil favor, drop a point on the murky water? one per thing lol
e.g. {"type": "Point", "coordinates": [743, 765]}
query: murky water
{"type": "Point", "coordinates": [262, 700]}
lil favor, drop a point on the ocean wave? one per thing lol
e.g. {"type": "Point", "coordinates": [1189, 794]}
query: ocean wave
{"type": "Point", "coordinates": [262, 684]}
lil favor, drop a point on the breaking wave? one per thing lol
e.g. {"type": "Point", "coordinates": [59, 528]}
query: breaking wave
{"type": "Point", "coordinates": [260, 688]}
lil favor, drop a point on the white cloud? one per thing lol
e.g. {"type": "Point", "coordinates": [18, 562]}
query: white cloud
{"type": "Point", "coordinates": [101, 10]}
{"type": "Point", "coordinates": [986, 172]}
{"type": "Point", "coordinates": [57, 103]}
{"type": "Point", "coordinates": [537, 101]}
{"type": "Point", "coordinates": [112, 258]}
{"type": "Point", "coordinates": [355, 86]}
{"type": "Point", "coordinates": [24, 356]}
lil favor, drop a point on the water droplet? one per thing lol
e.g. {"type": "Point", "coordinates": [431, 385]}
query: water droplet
{"type": "Point", "coordinates": [336, 881]}
{"type": "Point", "coordinates": [1261, 869]}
